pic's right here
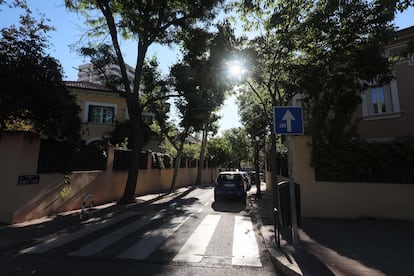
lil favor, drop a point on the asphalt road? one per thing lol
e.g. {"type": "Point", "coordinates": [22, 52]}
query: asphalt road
{"type": "Point", "coordinates": [192, 235]}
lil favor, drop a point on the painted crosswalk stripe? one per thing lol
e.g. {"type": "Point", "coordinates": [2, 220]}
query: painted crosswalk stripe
{"type": "Point", "coordinates": [153, 239]}
{"type": "Point", "coordinates": [193, 250]}
{"type": "Point", "coordinates": [98, 245]}
{"type": "Point", "coordinates": [68, 237]}
{"type": "Point", "coordinates": [245, 247]}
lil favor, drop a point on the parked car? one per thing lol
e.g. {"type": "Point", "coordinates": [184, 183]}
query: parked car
{"type": "Point", "coordinates": [230, 184]}
{"type": "Point", "coordinates": [247, 179]}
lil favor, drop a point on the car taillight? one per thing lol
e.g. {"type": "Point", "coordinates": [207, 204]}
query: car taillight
{"type": "Point", "coordinates": [241, 183]}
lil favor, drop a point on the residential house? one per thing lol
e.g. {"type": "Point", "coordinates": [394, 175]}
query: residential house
{"type": "Point", "coordinates": [101, 108]}
{"type": "Point", "coordinates": [388, 111]}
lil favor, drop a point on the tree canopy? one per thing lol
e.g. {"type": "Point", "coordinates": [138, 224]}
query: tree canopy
{"type": "Point", "coordinates": [342, 54]}
{"type": "Point", "coordinates": [32, 92]}
{"type": "Point", "coordinates": [326, 52]}
{"type": "Point", "coordinates": [199, 83]}
{"type": "Point", "coordinates": [146, 23]}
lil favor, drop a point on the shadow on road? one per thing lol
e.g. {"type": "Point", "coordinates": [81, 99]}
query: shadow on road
{"type": "Point", "coordinates": [385, 245]}
{"type": "Point", "coordinates": [229, 206]}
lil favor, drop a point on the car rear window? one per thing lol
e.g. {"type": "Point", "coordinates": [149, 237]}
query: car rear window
{"type": "Point", "coordinates": [228, 177]}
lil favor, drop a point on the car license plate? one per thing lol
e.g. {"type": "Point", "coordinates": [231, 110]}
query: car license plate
{"type": "Point", "coordinates": [229, 185]}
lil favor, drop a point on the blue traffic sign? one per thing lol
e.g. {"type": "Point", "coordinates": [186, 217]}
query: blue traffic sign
{"type": "Point", "coordinates": [288, 120]}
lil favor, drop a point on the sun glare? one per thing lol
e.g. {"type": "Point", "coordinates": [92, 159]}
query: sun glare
{"type": "Point", "coordinates": [236, 69]}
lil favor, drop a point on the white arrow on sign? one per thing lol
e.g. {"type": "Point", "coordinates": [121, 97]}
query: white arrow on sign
{"type": "Point", "coordinates": [288, 117]}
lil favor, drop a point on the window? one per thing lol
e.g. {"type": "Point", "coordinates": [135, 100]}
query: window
{"type": "Point", "coordinates": [378, 100]}
{"type": "Point", "coordinates": [381, 101]}
{"type": "Point", "coordinates": [147, 117]}
{"type": "Point", "coordinates": [100, 113]}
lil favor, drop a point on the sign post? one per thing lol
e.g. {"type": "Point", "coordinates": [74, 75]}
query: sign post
{"type": "Point", "coordinates": [288, 121]}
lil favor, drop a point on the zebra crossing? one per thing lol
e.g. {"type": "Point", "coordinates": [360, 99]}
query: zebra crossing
{"type": "Point", "coordinates": [187, 238]}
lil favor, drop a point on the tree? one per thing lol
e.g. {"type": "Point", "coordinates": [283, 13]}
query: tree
{"type": "Point", "coordinates": [198, 79]}
{"type": "Point", "coordinates": [404, 4]}
{"type": "Point", "coordinates": [326, 50]}
{"type": "Point", "coordinates": [239, 142]}
{"type": "Point", "coordinates": [219, 151]}
{"type": "Point", "coordinates": [273, 56]}
{"type": "Point", "coordinates": [154, 93]}
{"type": "Point", "coordinates": [32, 92]}
{"type": "Point", "coordinates": [342, 54]}
{"type": "Point", "coordinates": [147, 22]}
{"type": "Point", "coordinates": [253, 114]}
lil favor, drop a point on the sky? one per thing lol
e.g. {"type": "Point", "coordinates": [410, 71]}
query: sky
{"type": "Point", "coordinates": [69, 30]}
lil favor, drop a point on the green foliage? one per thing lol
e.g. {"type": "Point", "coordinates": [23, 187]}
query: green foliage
{"type": "Point", "coordinates": [341, 53]}
{"type": "Point", "coordinates": [404, 4]}
{"type": "Point", "coordinates": [358, 161]}
{"type": "Point", "coordinates": [198, 77]}
{"type": "Point", "coordinates": [220, 151]}
{"type": "Point", "coordinates": [122, 145]}
{"type": "Point", "coordinates": [121, 135]}
{"type": "Point", "coordinates": [272, 54]}
{"type": "Point", "coordinates": [240, 144]}
{"type": "Point", "coordinates": [159, 160]}
{"type": "Point", "coordinates": [191, 151]}
{"type": "Point", "coordinates": [146, 22]}
{"type": "Point", "coordinates": [31, 86]}
{"type": "Point", "coordinates": [328, 51]}
{"type": "Point", "coordinates": [253, 114]}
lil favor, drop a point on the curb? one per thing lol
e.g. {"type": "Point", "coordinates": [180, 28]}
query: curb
{"type": "Point", "coordinates": [281, 260]}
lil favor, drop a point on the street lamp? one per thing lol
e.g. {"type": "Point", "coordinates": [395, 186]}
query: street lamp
{"type": "Point", "coordinates": [258, 191]}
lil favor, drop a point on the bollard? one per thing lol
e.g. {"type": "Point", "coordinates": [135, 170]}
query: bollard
{"type": "Point", "coordinates": [276, 226]}
{"type": "Point", "coordinates": [84, 204]}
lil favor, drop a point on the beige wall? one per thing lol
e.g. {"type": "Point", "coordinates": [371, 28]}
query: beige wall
{"type": "Point", "coordinates": [18, 156]}
{"type": "Point", "coordinates": [351, 200]}
{"type": "Point", "coordinates": [346, 200]}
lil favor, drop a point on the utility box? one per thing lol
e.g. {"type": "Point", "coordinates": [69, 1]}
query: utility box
{"type": "Point", "coordinates": [284, 197]}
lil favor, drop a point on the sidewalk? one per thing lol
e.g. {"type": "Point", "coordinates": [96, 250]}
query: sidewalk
{"type": "Point", "coordinates": [34, 231]}
{"type": "Point", "coordinates": [339, 246]}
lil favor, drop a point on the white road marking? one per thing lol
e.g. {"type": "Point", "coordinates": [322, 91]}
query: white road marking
{"type": "Point", "coordinates": [195, 247]}
{"type": "Point", "coordinates": [68, 237]}
{"type": "Point", "coordinates": [245, 248]}
{"type": "Point", "coordinates": [153, 239]}
{"type": "Point", "coordinates": [98, 245]}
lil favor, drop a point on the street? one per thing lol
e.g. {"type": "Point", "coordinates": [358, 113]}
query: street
{"type": "Point", "coordinates": [191, 235]}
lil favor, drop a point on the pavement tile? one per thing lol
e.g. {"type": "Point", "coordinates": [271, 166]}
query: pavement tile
{"type": "Point", "coordinates": [340, 246]}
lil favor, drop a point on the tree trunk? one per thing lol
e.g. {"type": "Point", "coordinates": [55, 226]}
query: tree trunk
{"type": "Point", "coordinates": [273, 167]}
{"type": "Point", "coordinates": [257, 176]}
{"type": "Point", "coordinates": [133, 172]}
{"type": "Point", "coordinates": [177, 166]}
{"type": "Point", "coordinates": [202, 155]}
